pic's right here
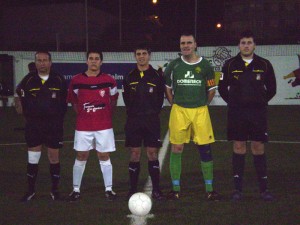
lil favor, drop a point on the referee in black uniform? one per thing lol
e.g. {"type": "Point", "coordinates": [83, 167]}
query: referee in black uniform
{"type": "Point", "coordinates": [43, 99]}
{"type": "Point", "coordinates": [247, 84]}
{"type": "Point", "coordinates": [143, 94]}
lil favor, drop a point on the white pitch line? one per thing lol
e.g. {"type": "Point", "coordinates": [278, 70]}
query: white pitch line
{"type": "Point", "coordinates": [161, 157]}
{"type": "Point", "coordinates": [275, 142]}
{"type": "Point", "coordinates": [148, 186]}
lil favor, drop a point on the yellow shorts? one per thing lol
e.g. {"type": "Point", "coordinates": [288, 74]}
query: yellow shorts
{"type": "Point", "coordinates": [190, 124]}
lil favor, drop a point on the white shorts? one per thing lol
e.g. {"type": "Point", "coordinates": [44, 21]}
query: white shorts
{"type": "Point", "coordinates": [101, 140]}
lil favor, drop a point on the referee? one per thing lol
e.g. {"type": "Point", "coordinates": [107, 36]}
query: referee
{"type": "Point", "coordinates": [43, 99]}
{"type": "Point", "coordinates": [247, 85]}
{"type": "Point", "coordinates": [143, 94]}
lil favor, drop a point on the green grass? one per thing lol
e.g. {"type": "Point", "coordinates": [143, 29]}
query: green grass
{"type": "Point", "coordinates": [192, 209]}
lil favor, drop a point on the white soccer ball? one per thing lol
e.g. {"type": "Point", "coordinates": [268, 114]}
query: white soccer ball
{"type": "Point", "coordinates": [140, 204]}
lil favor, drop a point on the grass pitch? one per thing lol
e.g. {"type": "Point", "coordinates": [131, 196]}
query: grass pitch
{"type": "Point", "coordinates": [283, 153]}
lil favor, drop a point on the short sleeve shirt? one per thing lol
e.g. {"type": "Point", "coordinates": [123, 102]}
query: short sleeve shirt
{"type": "Point", "coordinates": [93, 96]}
{"type": "Point", "coordinates": [190, 81]}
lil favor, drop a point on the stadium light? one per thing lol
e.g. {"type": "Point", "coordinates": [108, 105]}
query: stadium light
{"type": "Point", "coordinates": [218, 26]}
{"type": "Point", "coordinates": [154, 1]}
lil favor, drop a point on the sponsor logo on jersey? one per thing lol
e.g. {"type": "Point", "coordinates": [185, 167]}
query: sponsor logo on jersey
{"type": "Point", "coordinates": [189, 82]}
{"type": "Point", "coordinates": [92, 108]}
{"type": "Point", "coordinates": [189, 74]}
{"type": "Point", "coordinates": [189, 79]}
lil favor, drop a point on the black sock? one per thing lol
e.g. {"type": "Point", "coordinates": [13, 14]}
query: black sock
{"type": "Point", "coordinates": [153, 168]}
{"type": "Point", "coordinates": [55, 175]}
{"type": "Point", "coordinates": [260, 163]}
{"type": "Point", "coordinates": [32, 170]}
{"type": "Point", "coordinates": [238, 165]}
{"type": "Point", "coordinates": [134, 171]}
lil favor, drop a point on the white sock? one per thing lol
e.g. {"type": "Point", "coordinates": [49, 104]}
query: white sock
{"type": "Point", "coordinates": [34, 157]}
{"type": "Point", "coordinates": [78, 169]}
{"type": "Point", "coordinates": [107, 171]}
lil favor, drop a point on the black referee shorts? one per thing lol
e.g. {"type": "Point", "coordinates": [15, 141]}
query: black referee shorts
{"type": "Point", "coordinates": [143, 130]}
{"type": "Point", "coordinates": [44, 131]}
{"type": "Point", "coordinates": [247, 124]}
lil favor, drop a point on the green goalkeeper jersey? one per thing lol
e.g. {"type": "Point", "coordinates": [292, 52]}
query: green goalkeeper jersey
{"type": "Point", "coordinates": [190, 82]}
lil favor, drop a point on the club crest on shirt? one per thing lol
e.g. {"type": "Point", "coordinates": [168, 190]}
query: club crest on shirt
{"type": "Point", "coordinates": [258, 77]}
{"type": "Point", "coordinates": [102, 93]}
{"type": "Point", "coordinates": [198, 69]}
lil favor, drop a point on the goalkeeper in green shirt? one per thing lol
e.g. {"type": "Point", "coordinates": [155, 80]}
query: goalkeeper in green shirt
{"type": "Point", "coordinates": [190, 87]}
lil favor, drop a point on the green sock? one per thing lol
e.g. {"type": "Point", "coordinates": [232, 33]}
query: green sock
{"type": "Point", "coordinates": [175, 170]}
{"type": "Point", "coordinates": [207, 171]}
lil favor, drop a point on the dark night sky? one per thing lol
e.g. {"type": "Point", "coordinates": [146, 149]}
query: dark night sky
{"type": "Point", "coordinates": [175, 16]}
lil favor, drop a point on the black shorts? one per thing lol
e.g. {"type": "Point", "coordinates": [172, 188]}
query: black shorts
{"type": "Point", "coordinates": [247, 124]}
{"type": "Point", "coordinates": [143, 130]}
{"type": "Point", "coordinates": [44, 131]}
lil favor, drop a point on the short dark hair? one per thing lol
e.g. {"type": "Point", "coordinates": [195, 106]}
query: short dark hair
{"type": "Point", "coordinates": [94, 51]}
{"type": "Point", "coordinates": [31, 67]}
{"type": "Point", "coordinates": [188, 34]}
{"type": "Point", "coordinates": [143, 46]}
{"type": "Point", "coordinates": [43, 52]}
{"type": "Point", "coordinates": [247, 34]}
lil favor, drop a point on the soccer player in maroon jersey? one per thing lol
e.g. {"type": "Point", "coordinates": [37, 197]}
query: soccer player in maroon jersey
{"type": "Point", "coordinates": [93, 95]}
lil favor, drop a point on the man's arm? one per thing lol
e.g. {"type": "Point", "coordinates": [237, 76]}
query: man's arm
{"type": "Point", "coordinates": [113, 105]}
{"type": "Point", "coordinates": [17, 97]}
{"type": "Point", "coordinates": [210, 95]}
{"type": "Point", "coordinates": [126, 91]}
{"type": "Point", "coordinates": [224, 83]}
{"type": "Point", "coordinates": [18, 105]}
{"type": "Point", "coordinates": [75, 107]}
{"type": "Point", "coordinates": [270, 82]}
{"type": "Point", "coordinates": [169, 95]}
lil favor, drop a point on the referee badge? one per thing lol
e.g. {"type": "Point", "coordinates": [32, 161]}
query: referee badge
{"type": "Point", "coordinates": [53, 95]}
{"type": "Point", "coordinates": [258, 77]}
{"type": "Point", "coordinates": [151, 90]}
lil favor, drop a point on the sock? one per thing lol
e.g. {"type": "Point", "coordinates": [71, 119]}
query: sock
{"type": "Point", "coordinates": [32, 170]}
{"type": "Point", "coordinates": [78, 170]}
{"type": "Point", "coordinates": [107, 172]}
{"type": "Point", "coordinates": [55, 175]}
{"type": "Point", "coordinates": [207, 171]}
{"type": "Point", "coordinates": [153, 169]}
{"type": "Point", "coordinates": [205, 153]}
{"type": "Point", "coordinates": [34, 157]}
{"type": "Point", "coordinates": [134, 171]}
{"type": "Point", "coordinates": [260, 163]}
{"type": "Point", "coordinates": [175, 170]}
{"type": "Point", "coordinates": [238, 165]}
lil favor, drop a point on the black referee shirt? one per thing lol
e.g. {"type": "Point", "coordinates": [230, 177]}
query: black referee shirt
{"type": "Point", "coordinates": [251, 85]}
{"type": "Point", "coordinates": [43, 99]}
{"type": "Point", "coordinates": [143, 92]}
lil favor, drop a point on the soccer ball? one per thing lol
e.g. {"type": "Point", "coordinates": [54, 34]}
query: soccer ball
{"type": "Point", "coordinates": [140, 204]}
